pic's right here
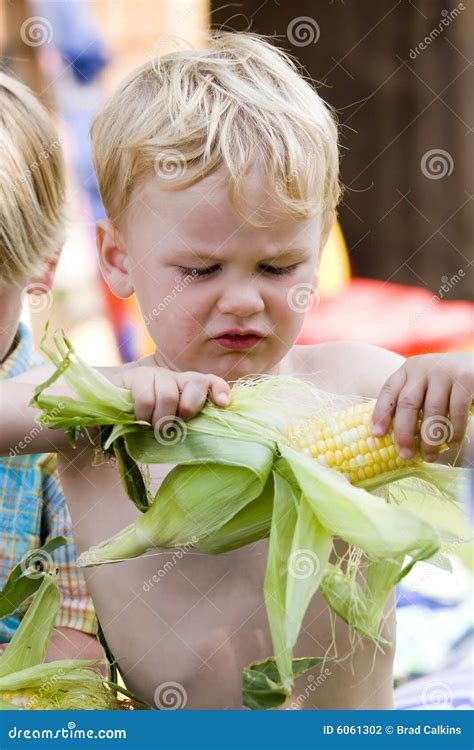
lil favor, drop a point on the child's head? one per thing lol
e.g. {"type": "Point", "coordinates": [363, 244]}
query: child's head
{"type": "Point", "coordinates": [32, 190]}
{"type": "Point", "coordinates": [224, 161]}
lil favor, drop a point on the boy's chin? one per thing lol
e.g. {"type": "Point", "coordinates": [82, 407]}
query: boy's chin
{"type": "Point", "coordinates": [243, 367]}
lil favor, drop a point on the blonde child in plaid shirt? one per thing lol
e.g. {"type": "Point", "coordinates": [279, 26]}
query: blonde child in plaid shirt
{"type": "Point", "coordinates": [32, 504]}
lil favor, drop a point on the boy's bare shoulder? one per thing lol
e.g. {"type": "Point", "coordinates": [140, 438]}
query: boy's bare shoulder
{"type": "Point", "coordinates": [349, 367]}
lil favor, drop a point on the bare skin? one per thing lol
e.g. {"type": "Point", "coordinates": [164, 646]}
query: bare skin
{"type": "Point", "coordinates": [204, 620]}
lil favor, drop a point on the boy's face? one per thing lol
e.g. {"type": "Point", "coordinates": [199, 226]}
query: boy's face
{"type": "Point", "coordinates": [200, 271]}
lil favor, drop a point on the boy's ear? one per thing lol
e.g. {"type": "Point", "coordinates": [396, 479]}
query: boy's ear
{"type": "Point", "coordinates": [114, 259]}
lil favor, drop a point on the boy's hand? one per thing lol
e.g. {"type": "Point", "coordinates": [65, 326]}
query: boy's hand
{"type": "Point", "coordinates": [160, 393]}
{"type": "Point", "coordinates": [442, 385]}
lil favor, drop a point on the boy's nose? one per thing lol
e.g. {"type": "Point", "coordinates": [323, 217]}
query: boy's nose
{"type": "Point", "coordinates": [240, 299]}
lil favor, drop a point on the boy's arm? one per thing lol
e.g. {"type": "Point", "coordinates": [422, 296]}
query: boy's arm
{"type": "Point", "coordinates": [157, 393]}
{"type": "Point", "coordinates": [19, 431]}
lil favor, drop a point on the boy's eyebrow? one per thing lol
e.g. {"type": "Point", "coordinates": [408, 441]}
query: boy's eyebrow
{"type": "Point", "coordinates": [285, 253]}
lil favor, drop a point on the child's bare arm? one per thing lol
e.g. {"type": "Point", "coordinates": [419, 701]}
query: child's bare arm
{"type": "Point", "coordinates": [19, 432]}
{"type": "Point", "coordinates": [157, 393]}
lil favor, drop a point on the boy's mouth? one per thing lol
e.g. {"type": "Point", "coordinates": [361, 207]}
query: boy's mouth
{"type": "Point", "coordinates": [238, 340]}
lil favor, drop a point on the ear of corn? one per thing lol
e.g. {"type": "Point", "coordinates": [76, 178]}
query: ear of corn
{"type": "Point", "coordinates": [284, 460]}
{"type": "Point", "coordinates": [27, 682]}
{"type": "Point", "coordinates": [344, 442]}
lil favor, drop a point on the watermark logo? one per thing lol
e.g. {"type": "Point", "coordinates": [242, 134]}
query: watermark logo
{"type": "Point", "coordinates": [36, 563]}
{"type": "Point", "coordinates": [437, 695]}
{"type": "Point", "coordinates": [35, 431]}
{"type": "Point", "coordinates": [176, 556]}
{"type": "Point", "coordinates": [302, 31]}
{"type": "Point", "coordinates": [303, 563]}
{"type": "Point", "coordinates": [37, 298]}
{"type": "Point", "coordinates": [436, 164]}
{"type": "Point", "coordinates": [313, 684]}
{"type": "Point", "coordinates": [43, 156]}
{"type": "Point", "coordinates": [302, 297]}
{"type": "Point", "coordinates": [446, 286]}
{"type": "Point", "coordinates": [179, 287]}
{"type": "Point", "coordinates": [45, 688]}
{"type": "Point", "coordinates": [36, 31]}
{"type": "Point", "coordinates": [170, 430]}
{"type": "Point", "coordinates": [437, 430]}
{"type": "Point", "coordinates": [447, 17]}
{"type": "Point", "coordinates": [170, 164]}
{"type": "Point", "coordinates": [170, 696]}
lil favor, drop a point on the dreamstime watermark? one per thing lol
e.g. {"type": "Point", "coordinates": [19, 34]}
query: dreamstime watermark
{"type": "Point", "coordinates": [436, 164]}
{"type": "Point", "coordinates": [170, 164]}
{"type": "Point", "coordinates": [447, 17]}
{"type": "Point", "coordinates": [36, 562]}
{"type": "Point", "coordinates": [43, 156]}
{"type": "Point", "coordinates": [313, 684]}
{"type": "Point", "coordinates": [21, 446]}
{"type": "Point", "coordinates": [177, 555]}
{"type": "Point", "coordinates": [37, 297]}
{"type": "Point", "coordinates": [170, 430]}
{"type": "Point", "coordinates": [154, 49]}
{"type": "Point", "coordinates": [437, 430]}
{"type": "Point", "coordinates": [302, 31]}
{"type": "Point", "coordinates": [445, 288]}
{"type": "Point", "coordinates": [170, 696]}
{"type": "Point", "coordinates": [437, 695]}
{"type": "Point", "coordinates": [282, 184]}
{"type": "Point", "coordinates": [302, 297]}
{"type": "Point", "coordinates": [36, 31]}
{"type": "Point", "coordinates": [45, 687]}
{"type": "Point", "coordinates": [179, 287]}
{"type": "Point", "coordinates": [303, 563]}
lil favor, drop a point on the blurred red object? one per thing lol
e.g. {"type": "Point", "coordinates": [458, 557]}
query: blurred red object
{"type": "Point", "coordinates": [407, 320]}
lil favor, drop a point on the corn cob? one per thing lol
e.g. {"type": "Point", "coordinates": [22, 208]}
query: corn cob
{"type": "Point", "coordinates": [344, 441]}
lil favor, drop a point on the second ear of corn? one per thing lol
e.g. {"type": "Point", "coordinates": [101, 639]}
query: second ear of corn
{"type": "Point", "coordinates": [344, 442]}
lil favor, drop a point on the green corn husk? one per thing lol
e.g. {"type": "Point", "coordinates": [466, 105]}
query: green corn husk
{"type": "Point", "coordinates": [238, 479]}
{"type": "Point", "coordinates": [26, 681]}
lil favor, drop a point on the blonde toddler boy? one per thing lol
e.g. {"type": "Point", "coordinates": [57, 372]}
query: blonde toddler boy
{"type": "Point", "coordinates": [218, 169]}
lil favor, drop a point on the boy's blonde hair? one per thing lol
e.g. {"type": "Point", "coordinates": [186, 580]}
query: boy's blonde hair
{"type": "Point", "coordinates": [238, 102]}
{"type": "Point", "coordinates": [32, 184]}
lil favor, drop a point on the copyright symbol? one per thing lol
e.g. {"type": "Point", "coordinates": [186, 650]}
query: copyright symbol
{"type": "Point", "coordinates": [389, 729]}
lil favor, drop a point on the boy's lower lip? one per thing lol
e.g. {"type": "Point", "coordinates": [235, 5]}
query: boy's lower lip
{"type": "Point", "coordinates": [238, 342]}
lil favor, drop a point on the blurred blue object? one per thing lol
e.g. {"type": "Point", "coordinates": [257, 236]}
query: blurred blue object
{"type": "Point", "coordinates": [75, 36]}
{"type": "Point", "coordinates": [452, 689]}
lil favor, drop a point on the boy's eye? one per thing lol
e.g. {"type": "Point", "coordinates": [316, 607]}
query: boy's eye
{"type": "Point", "coordinates": [279, 270]}
{"type": "Point", "coordinates": [199, 271]}
{"type": "Point", "coordinates": [275, 270]}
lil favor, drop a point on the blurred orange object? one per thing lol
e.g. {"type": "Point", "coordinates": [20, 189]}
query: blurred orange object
{"type": "Point", "coordinates": [407, 320]}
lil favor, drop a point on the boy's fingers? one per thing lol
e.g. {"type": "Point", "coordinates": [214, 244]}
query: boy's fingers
{"type": "Point", "coordinates": [409, 404]}
{"type": "Point", "coordinates": [435, 427]}
{"type": "Point", "coordinates": [220, 390]}
{"type": "Point", "coordinates": [141, 386]}
{"type": "Point", "coordinates": [192, 399]}
{"type": "Point", "coordinates": [459, 409]}
{"type": "Point", "coordinates": [387, 402]}
{"type": "Point", "coordinates": [166, 400]}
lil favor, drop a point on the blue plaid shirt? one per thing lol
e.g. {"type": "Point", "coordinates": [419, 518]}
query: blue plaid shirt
{"type": "Point", "coordinates": [33, 510]}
